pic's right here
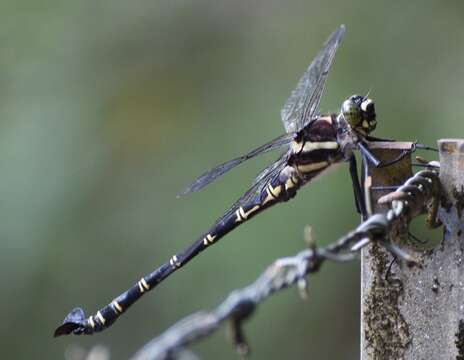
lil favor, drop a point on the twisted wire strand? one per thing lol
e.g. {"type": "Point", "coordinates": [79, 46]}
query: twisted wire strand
{"type": "Point", "coordinates": [408, 201]}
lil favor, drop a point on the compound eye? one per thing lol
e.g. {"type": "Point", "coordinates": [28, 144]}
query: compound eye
{"type": "Point", "coordinates": [368, 111]}
{"type": "Point", "coordinates": [351, 112]}
{"type": "Point", "coordinates": [368, 106]}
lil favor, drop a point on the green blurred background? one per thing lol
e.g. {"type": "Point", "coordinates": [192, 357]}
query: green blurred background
{"type": "Point", "coordinates": [108, 108]}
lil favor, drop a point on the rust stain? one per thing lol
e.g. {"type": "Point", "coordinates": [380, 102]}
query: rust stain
{"type": "Point", "coordinates": [449, 147]}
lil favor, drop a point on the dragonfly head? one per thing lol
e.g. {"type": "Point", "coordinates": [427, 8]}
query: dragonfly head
{"type": "Point", "coordinates": [359, 112]}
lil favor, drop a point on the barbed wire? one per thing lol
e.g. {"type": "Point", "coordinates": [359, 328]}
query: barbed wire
{"type": "Point", "coordinates": [418, 194]}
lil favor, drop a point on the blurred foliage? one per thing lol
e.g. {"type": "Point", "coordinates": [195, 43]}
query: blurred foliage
{"type": "Point", "coordinates": [108, 108]}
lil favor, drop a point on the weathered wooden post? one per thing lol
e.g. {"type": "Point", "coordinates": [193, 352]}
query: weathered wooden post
{"type": "Point", "coordinates": [418, 313]}
{"type": "Point", "coordinates": [382, 327]}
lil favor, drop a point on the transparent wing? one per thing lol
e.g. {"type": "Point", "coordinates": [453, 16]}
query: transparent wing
{"type": "Point", "coordinates": [276, 166]}
{"type": "Point", "coordinates": [302, 104]}
{"type": "Point", "coordinates": [212, 174]}
{"type": "Point", "coordinates": [259, 184]}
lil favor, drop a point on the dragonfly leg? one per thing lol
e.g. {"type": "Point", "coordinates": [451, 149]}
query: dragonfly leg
{"type": "Point", "coordinates": [357, 190]}
{"type": "Point", "coordinates": [367, 155]}
{"type": "Point", "coordinates": [418, 145]}
{"type": "Point", "coordinates": [425, 147]}
{"type": "Point", "coordinates": [401, 156]}
{"type": "Point", "coordinates": [379, 164]}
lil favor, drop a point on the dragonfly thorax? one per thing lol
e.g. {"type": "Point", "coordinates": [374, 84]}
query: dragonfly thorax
{"type": "Point", "coordinates": [359, 112]}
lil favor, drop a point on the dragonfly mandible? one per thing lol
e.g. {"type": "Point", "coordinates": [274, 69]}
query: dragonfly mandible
{"type": "Point", "coordinates": [313, 144]}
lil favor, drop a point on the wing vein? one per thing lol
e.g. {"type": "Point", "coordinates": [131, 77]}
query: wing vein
{"type": "Point", "coordinates": [301, 106]}
{"type": "Point", "coordinates": [212, 174]}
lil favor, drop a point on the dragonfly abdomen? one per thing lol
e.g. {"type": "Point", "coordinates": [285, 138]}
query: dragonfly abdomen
{"type": "Point", "coordinates": [280, 188]}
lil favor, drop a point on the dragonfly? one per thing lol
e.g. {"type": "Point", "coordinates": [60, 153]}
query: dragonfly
{"type": "Point", "coordinates": [313, 143]}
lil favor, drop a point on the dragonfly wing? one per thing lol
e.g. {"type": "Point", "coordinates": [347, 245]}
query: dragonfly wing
{"type": "Point", "coordinates": [301, 106]}
{"type": "Point", "coordinates": [212, 174]}
{"type": "Point", "coordinates": [264, 174]}
{"type": "Point", "coordinates": [260, 183]}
